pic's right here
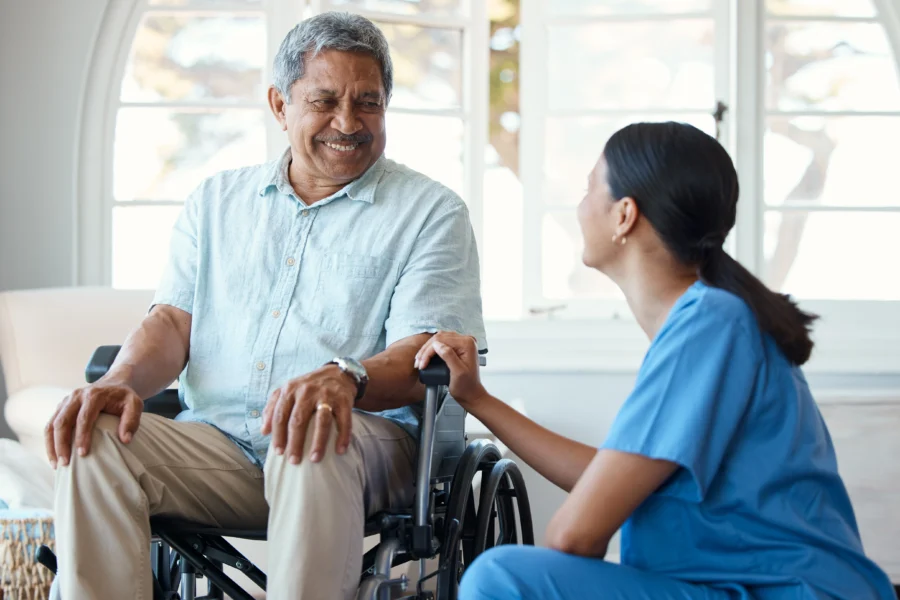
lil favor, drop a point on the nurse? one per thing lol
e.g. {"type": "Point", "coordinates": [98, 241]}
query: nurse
{"type": "Point", "coordinates": [718, 468]}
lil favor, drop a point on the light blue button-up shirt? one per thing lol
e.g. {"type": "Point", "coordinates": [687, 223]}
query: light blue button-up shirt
{"type": "Point", "coordinates": [277, 288]}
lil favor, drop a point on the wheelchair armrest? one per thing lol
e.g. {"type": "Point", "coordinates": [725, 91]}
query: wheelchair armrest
{"type": "Point", "coordinates": [165, 404]}
{"type": "Point", "coordinates": [101, 361]}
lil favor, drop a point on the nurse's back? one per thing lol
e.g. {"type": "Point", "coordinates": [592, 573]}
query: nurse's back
{"type": "Point", "coordinates": [764, 507]}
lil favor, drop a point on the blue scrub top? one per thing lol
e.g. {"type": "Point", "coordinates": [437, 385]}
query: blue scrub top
{"type": "Point", "coordinates": [757, 505]}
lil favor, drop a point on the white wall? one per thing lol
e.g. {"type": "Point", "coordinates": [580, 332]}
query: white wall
{"type": "Point", "coordinates": [45, 48]}
{"type": "Point", "coordinates": [583, 405]}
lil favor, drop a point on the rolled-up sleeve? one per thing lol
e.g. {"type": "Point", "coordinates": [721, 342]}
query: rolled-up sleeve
{"type": "Point", "coordinates": [179, 279]}
{"type": "Point", "coordinates": [440, 285]}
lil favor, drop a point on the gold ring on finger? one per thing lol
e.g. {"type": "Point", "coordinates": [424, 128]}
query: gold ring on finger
{"type": "Point", "coordinates": [323, 405]}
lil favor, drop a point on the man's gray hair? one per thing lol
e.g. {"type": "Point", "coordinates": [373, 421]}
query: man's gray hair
{"type": "Point", "coordinates": [330, 31]}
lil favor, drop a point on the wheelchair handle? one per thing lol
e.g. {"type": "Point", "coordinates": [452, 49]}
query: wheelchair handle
{"type": "Point", "coordinates": [437, 373]}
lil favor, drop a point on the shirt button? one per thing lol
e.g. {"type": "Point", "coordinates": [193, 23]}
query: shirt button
{"type": "Point", "coordinates": [290, 262]}
{"type": "Point", "coordinates": [276, 313]}
{"type": "Point", "coordinates": [260, 365]}
{"type": "Point", "coordinates": [254, 413]}
{"type": "Point", "coordinates": [305, 213]}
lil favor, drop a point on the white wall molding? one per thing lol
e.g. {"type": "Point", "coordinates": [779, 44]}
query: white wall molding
{"type": "Point", "coordinates": [94, 149]}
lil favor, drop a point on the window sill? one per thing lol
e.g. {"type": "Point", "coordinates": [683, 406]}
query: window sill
{"type": "Point", "coordinates": [863, 340]}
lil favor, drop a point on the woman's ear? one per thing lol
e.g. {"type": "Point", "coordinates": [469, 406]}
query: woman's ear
{"type": "Point", "coordinates": [626, 216]}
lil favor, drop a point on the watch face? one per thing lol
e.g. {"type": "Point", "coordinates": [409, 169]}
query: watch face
{"type": "Point", "coordinates": [355, 367]}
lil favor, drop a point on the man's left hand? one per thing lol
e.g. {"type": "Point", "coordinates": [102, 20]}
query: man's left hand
{"type": "Point", "coordinates": [324, 396]}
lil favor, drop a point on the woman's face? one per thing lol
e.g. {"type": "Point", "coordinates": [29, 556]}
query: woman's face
{"type": "Point", "coordinates": [599, 219]}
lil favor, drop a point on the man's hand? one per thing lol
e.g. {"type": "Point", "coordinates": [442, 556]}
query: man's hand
{"type": "Point", "coordinates": [79, 412]}
{"type": "Point", "coordinates": [325, 395]}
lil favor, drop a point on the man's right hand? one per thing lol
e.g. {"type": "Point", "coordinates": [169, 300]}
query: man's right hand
{"type": "Point", "coordinates": [75, 417]}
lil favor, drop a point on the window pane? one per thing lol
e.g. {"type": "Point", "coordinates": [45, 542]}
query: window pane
{"type": "Point", "coordinates": [830, 66]}
{"type": "Point", "coordinates": [431, 145]}
{"type": "Point", "coordinates": [833, 255]}
{"type": "Point", "coordinates": [564, 276]}
{"type": "Point", "coordinates": [140, 244]}
{"type": "Point", "coordinates": [427, 66]}
{"type": "Point", "coordinates": [841, 8]}
{"type": "Point", "coordinates": [403, 7]}
{"type": "Point", "coordinates": [628, 7]}
{"type": "Point", "coordinates": [183, 58]}
{"type": "Point", "coordinates": [573, 145]}
{"type": "Point", "coordinates": [163, 154]}
{"type": "Point", "coordinates": [834, 161]}
{"type": "Point", "coordinates": [632, 65]}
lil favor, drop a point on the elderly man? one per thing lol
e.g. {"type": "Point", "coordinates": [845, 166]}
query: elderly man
{"type": "Point", "coordinates": [296, 297]}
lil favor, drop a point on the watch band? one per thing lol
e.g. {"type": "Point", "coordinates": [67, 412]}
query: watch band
{"type": "Point", "coordinates": [355, 371]}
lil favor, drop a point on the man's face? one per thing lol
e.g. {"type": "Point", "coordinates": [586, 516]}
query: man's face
{"type": "Point", "coordinates": [335, 121]}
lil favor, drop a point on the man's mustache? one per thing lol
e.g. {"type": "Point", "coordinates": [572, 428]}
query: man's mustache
{"type": "Point", "coordinates": [354, 138]}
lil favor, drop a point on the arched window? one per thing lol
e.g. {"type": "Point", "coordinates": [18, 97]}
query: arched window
{"type": "Point", "coordinates": [509, 102]}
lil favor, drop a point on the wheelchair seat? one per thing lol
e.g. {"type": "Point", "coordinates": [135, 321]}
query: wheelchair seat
{"type": "Point", "coordinates": [446, 522]}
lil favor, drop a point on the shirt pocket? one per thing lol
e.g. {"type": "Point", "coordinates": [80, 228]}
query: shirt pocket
{"type": "Point", "coordinates": [353, 294]}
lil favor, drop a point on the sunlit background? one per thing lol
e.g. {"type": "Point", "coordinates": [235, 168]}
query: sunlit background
{"type": "Point", "coordinates": [192, 103]}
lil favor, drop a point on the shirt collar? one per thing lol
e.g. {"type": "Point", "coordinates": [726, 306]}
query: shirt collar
{"type": "Point", "coordinates": [361, 189]}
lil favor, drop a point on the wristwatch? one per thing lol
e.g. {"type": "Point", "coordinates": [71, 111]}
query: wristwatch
{"type": "Point", "coordinates": [356, 371]}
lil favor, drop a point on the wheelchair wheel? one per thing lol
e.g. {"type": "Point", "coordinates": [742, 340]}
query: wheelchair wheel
{"type": "Point", "coordinates": [503, 497]}
{"type": "Point", "coordinates": [461, 521]}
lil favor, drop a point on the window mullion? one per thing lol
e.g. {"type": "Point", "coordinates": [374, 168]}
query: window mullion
{"type": "Point", "coordinates": [476, 101]}
{"type": "Point", "coordinates": [724, 69]}
{"type": "Point", "coordinates": [281, 16]}
{"type": "Point", "coordinates": [533, 106]}
{"type": "Point", "coordinates": [749, 129]}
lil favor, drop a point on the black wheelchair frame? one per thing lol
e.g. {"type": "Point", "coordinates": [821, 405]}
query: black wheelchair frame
{"type": "Point", "coordinates": [446, 522]}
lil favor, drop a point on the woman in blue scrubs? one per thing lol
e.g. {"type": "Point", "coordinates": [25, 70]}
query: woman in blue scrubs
{"type": "Point", "coordinates": [718, 468]}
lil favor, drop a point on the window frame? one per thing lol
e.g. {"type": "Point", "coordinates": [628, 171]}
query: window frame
{"type": "Point", "coordinates": [472, 23]}
{"type": "Point", "coordinates": [855, 336]}
{"type": "Point", "coordinates": [95, 201]}
{"type": "Point", "coordinates": [535, 111]}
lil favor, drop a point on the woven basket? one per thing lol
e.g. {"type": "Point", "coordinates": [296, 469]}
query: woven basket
{"type": "Point", "coordinates": [21, 578]}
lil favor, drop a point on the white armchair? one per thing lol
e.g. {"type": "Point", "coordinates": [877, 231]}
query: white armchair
{"type": "Point", "coordinates": [46, 339]}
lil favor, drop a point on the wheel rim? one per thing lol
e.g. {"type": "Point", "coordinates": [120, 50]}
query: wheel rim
{"type": "Point", "coordinates": [461, 506]}
{"type": "Point", "coordinates": [502, 491]}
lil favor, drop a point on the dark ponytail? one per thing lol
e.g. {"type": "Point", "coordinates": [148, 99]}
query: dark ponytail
{"type": "Point", "coordinates": [685, 184]}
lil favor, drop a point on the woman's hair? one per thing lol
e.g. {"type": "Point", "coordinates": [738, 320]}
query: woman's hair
{"type": "Point", "coordinates": [685, 184]}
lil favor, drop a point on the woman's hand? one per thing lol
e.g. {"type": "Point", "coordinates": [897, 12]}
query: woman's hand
{"type": "Point", "coordinates": [461, 355]}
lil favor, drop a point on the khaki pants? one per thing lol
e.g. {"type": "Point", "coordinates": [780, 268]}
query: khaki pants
{"type": "Point", "coordinates": [315, 513]}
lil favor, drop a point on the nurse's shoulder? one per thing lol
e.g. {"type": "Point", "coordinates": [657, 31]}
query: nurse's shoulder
{"type": "Point", "coordinates": [723, 311]}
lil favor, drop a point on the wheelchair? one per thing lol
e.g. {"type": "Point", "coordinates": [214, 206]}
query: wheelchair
{"type": "Point", "coordinates": [447, 525]}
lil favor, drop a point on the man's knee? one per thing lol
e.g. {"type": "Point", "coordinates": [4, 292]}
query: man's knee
{"type": "Point", "coordinates": [107, 453]}
{"type": "Point", "coordinates": [330, 463]}
{"type": "Point", "coordinates": [104, 438]}
{"type": "Point", "coordinates": [107, 424]}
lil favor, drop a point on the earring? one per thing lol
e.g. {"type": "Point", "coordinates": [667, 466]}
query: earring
{"type": "Point", "coordinates": [615, 237]}
{"type": "Point", "coordinates": [623, 240]}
